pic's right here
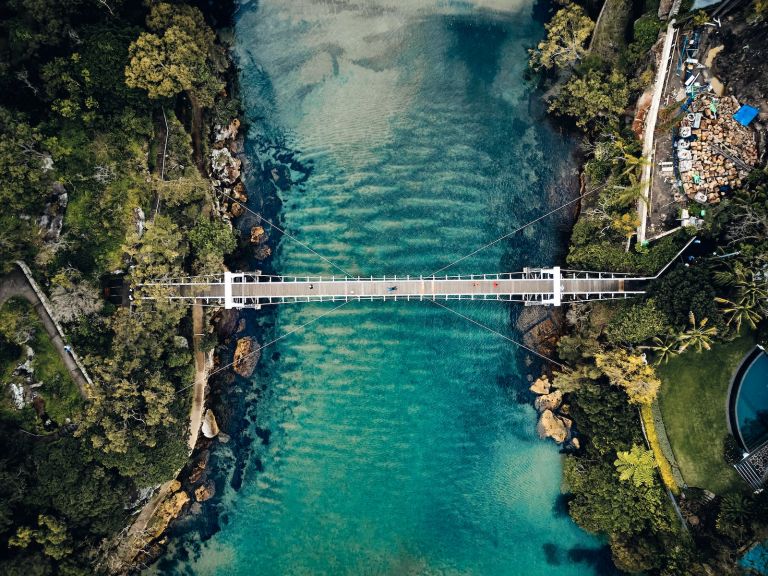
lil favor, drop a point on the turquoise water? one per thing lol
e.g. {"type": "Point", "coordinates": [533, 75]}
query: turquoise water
{"type": "Point", "coordinates": [757, 559]}
{"type": "Point", "coordinates": [394, 437]}
{"type": "Point", "coordinates": [752, 403]}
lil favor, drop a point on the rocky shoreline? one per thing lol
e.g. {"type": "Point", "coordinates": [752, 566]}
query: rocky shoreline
{"type": "Point", "coordinates": [192, 486]}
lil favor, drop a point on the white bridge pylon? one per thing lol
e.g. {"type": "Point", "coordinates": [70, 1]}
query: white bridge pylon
{"type": "Point", "coordinates": [532, 286]}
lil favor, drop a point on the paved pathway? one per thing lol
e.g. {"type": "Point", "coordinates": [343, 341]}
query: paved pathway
{"type": "Point", "coordinates": [201, 376]}
{"type": "Point", "coordinates": [17, 284]}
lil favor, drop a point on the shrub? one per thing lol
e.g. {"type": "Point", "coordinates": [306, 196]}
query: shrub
{"type": "Point", "coordinates": [665, 468]}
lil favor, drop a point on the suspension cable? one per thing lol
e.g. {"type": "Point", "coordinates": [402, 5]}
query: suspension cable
{"type": "Point", "coordinates": [523, 227]}
{"type": "Point", "coordinates": [260, 348]}
{"type": "Point", "coordinates": [305, 246]}
{"type": "Point", "coordinates": [489, 329]}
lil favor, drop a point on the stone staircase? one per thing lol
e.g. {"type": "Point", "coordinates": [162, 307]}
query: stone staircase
{"type": "Point", "coordinates": [754, 467]}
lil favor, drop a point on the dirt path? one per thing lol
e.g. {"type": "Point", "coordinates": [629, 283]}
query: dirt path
{"type": "Point", "coordinates": [201, 377]}
{"type": "Point", "coordinates": [17, 284]}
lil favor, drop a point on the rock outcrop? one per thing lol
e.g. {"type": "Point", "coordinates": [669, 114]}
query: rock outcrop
{"type": "Point", "coordinates": [168, 511]}
{"type": "Point", "coordinates": [210, 427]}
{"type": "Point", "coordinates": [246, 356]}
{"type": "Point", "coordinates": [205, 492]}
{"type": "Point", "coordinates": [52, 220]}
{"type": "Point", "coordinates": [550, 426]}
{"type": "Point", "coordinates": [549, 401]}
{"type": "Point", "coordinates": [541, 386]}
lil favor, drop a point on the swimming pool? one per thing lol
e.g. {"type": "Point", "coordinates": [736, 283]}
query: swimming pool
{"type": "Point", "coordinates": [748, 406]}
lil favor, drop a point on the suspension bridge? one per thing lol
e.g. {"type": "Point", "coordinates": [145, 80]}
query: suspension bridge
{"type": "Point", "coordinates": [532, 286]}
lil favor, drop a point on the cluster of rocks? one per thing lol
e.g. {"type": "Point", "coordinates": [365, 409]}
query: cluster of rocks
{"type": "Point", "coordinates": [553, 420]}
{"type": "Point", "coordinates": [260, 240]}
{"type": "Point", "coordinates": [52, 220]}
{"type": "Point", "coordinates": [225, 171]}
{"type": "Point", "coordinates": [710, 140]}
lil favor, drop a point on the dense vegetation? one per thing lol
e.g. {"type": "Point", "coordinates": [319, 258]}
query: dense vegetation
{"type": "Point", "coordinates": [93, 92]}
{"type": "Point", "coordinates": [617, 487]}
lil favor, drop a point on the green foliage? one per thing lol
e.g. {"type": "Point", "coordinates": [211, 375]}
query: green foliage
{"type": "Point", "coordinates": [594, 100]}
{"type": "Point", "coordinates": [602, 503]}
{"type": "Point", "coordinates": [735, 515]}
{"type": "Point", "coordinates": [588, 251]}
{"type": "Point", "coordinates": [685, 290]}
{"type": "Point", "coordinates": [567, 33]}
{"type": "Point", "coordinates": [636, 323]}
{"type": "Point", "coordinates": [631, 373]}
{"type": "Point", "coordinates": [176, 57]}
{"type": "Point", "coordinates": [644, 35]}
{"type": "Point", "coordinates": [637, 465]}
{"type": "Point", "coordinates": [51, 534]}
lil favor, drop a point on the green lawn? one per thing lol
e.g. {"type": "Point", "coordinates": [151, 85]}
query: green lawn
{"type": "Point", "coordinates": [62, 398]}
{"type": "Point", "coordinates": [693, 404]}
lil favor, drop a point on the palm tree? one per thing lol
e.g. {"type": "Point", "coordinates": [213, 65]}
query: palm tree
{"type": "Point", "coordinates": [735, 516]}
{"type": "Point", "coordinates": [741, 311]}
{"type": "Point", "coordinates": [698, 335]}
{"type": "Point", "coordinates": [632, 164]}
{"type": "Point", "coordinates": [636, 465]}
{"type": "Point", "coordinates": [665, 348]}
{"type": "Point", "coordinates": [751, 290]}
{"type": "Point", "coordinates": [629, 194]}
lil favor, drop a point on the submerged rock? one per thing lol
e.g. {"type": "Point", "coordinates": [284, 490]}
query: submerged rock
{"type": "Point", "coordinates": [205, 491]}
{"type": "Point", "coordinates": [258, 235]}
{"type": "Point", "coordinates": [199, 468]}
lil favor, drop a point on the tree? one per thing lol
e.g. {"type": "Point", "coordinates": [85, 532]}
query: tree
{"type": "Point", "coordinates": [684, 290]}
{"type": "Point", "coordinates": [567, 33]}
{"type": "Point", "coordinates": [73, 297]}
{"type": "Point", "coordinates": [626, 224]}
{"type": "Point", "coordinates": [176, 58]}
{"type": "Point", "coordinates": [636, 465]}
{"type": "Point", "coordinates": [212, 237]}
{"type": "Point", "coordinates": [630, 372]}
{"type": "Point", "coordinates": [738, 312]}
{"type": "Point", "coordinates": [593, 99]}
{"type": "Point", "coordinates": [665, 348]}
{"type": "Point", "coordinates": [697, 335]}
{"type": "Point", "coordinates": [51, 534]}
{"type": "Point", "coordinates": [164, 65]}
{"type": "Point", "coordinates": [734, 516]}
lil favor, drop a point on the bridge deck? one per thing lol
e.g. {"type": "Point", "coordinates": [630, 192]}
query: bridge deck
{"type": "Point", "coordinates": [244, 290]}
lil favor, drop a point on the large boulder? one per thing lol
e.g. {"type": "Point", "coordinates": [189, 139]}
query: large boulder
{"type": "Point", "coordinates": [541, 386]}
{"type": "Point", "coordinates": [210, 427]}
{"type": "Point", "coordinates": [550, 426]}
{"type": "Point", "coordinates": [205, 491]}
{"type": "Point", "coordinates": [246, 356]}
{"type": "Point", "coordinates": [549, 401]}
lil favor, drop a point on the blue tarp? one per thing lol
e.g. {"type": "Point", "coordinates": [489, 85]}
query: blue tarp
{"type": "Point", "coordinates": [745, 114]}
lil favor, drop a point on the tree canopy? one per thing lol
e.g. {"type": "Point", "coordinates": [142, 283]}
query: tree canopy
{"type": "Point", "coordinates": [567, 33]}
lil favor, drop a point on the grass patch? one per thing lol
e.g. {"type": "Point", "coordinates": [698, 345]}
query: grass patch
{"type": "Point", "coordinates": [60, 392]}
{"type": "Point", "coordinates": [609, 37]}
{"type": "Point", "coordinates": [693, 403]}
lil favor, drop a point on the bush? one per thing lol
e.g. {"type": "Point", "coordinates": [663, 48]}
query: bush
{"type": "Point", "coordinates": [665, 468]}
{"type": "Point", "coordinates": [686, 290]}
{"type": "Point", "coordinates": [636, 323]}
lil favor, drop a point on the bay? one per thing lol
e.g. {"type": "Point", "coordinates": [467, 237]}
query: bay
{"type": "Point", "coordinates": [395, 437]}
